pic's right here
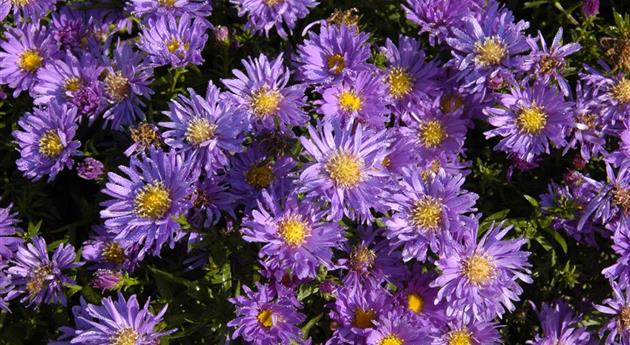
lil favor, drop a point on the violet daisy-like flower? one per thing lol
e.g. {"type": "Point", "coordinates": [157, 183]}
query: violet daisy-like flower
{"type": "Point", "coordinates": [589, 128]}
{"type": "Point", "coordinates": [355, 310]}
{"type": "Point", "coordinates": [206, 130]}
{"type": "Point", "coordinates": [528, 119]}
{"type": "Point", "coordinates": [175, 41]}
{"type": "Point", "coordinates": [482, 276]}
{"type": "Point", "coordinates": [358, 99]}
{"type": "Point", "coordinates": [23, 51]}
{"type": "Point", "coordinates": [145, 204]}
{"type": "Point", "coordinates": [103, 250]}
{"type": "Point", "coordinates": [439, 17]}
{"type": "Point", "coordinates": [346, 170]}
{"type": "Point", "coordinates": [617, 329]}
{"type": "Point", "coordinates": [39, 278]}
{"type": "Point", "coordinates": [150, 8]}
{"type": "Point", "coordinates": [559, 326]}
{"type": "Point", "coordinates": [611, 91]}
{"type": "Point", "coordinates": [396, 328]}
{"type": "Point", "coordinates": [466, 330]}
{"type": "Point", "coordinates": [9, 241]}
{"type": "Point", "coordinates": [620, 271]}
{"type": "Point", "coordinates": [293, 234]}
{"type": "Point", "coordinates": [212, 199]}
{"type": "Point", "coordinates": [264, 15]}
{"type": "Point", "coordinates": [487, 47]}
{"type": "Point", "coordinates": [337, 51]}
{"type": "Point", "coordinates": [548, 63]}
{"type": "Point", "coordinates": [126, 83]}
{"type": "Point", "coordinates": [69, 28]}
{"type": "Point", "coordinates": [118, 322]}
{"type": "Point", "coordinates": [5, 287]}
{"type": "Point", "coordinates": [417, 297]}
{"type": "Point", "coordinates": [264, 318]}
{"type": "Point", "coordinates": [264, 92]}
{"type": "Point", "coordinates": [409, 78]}
{"type": "Point", "coordinates": [26, 9]}
{"type": "Point", "coordinates": [427, 210]}
{"type": "Point", "coordinates": [45, 141]}
{"type": "Point", "coordinates": [105, 279]}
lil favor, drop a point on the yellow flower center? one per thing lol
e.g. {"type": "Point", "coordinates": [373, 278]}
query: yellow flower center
{"type": "Point", "coordinates": [391, 340]}
{"type": "Point", "coordinates": [35, 283]}
{"type": "Point", "coordinates": [532, 120]}
{"type": "Point", "coordinates": [621, 197]}
{"type": "Point", "coordinates": [549, 65]}
{"type": "Point", "coordinates": [50, 144]}
{"type": "Point", "coordinates": [362, 258]}
{"type": "Point", "coordinates": [125, 336]}
{"type": "Point", "coordinates": [363, 318]}
{"type": "Point", "coordinates": [30, 60]}
{"type": "Point", "coordinates": [349, 101]}
{"type": "Point", "coordinates": [265, 102]}
{"type": "Point", "coordinates": [265, 318]}
{"type": "Point", "coordinates": [460, 337]}
{"type": "Point", "coordinates": [490, 51]}
{"type": "Point", "coordinates": [432, 134]}
{"type": "Point", "coordinates": [451, 103]}
{"type": "Point", "coordinates": [113, 253]}
{"type": "Point", "coordinates": [167, 3]}
{"type": "Point", "coordinates": [415, 303]}
{"type": "Point", "coordinates": [621, 91]}
{"type": "Point", "coordinates": [72, 84]}
{"type": "Point", "coordinates": [293, 230]}
{"type": "Point", "coordinates": [589, 120]}
{"type": "Point", "coordinates": [200, 130]}
{"type": "Point", "coordinates": [172, 45]}
{"type": "Point", "coordinates": [478, 269]}
{"type": "Point", "coordinates": [116, 86]}
{"type": "Point", "coordinates": [344, 169]}
{"type": "Point", "coordinates": [259, 176]}
{"type": "Point", "coordinates": [153, 200]}
{"type": "Point", "coordinates": [146, 135]}
{"type": "Point", "coordinates": [20, 2]}
{"type": "Point", "coordinates": [336, 63]}
{"type": "Point", "coordinates": [273, 2]}
{"type": "Point", "coordinates": [400, 82]}
{"type": "Point", "coordinates": [427, 213]}
{"type": "Point", "coordinates": [347, 17]}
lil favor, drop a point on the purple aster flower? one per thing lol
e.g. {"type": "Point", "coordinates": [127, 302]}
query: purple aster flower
{"type": "Point", "coordinates": [418, 299]}
{"type": "Point", "coordinates": [149, 8]}
{"type": "Point", "coordinates": [256, 169]}
{"type": "Point", "coordinates": [206, 129]}
{"type": "Point", "coordinates": [426, 211]}
{"type": "Point", "coordinates": [620, 271]}
{"type": "Point", "coordinates": [26, 9]}
{"type": "Point", "coordinates": [212, 198]}
{"type": "Point", "coordinates": [337, 51]}
{"type": "Point", "coordinates": [39, 278]}
{"type": "Point", "coordinates": [559, 326]}
{"type": "Point", "coordinates": [69, 28]}
{"type": "Point", "coordinates": [610, 206]}
{"type": "Point", "coordinates": [126, 82]}
{"type": "Point", "coordinates": [144, 136]}
{"type": "Point", "coordinates": [617, 329]}
{"type": "Point", "coordinates": [589, 129]}
{"type": "Point", "coordinates": [590, 8]}
{"type": "Point", "coordinates": [528, 119]}
{"type": "Point", "coordinates": [434, 132]}
{"type": "Point", "coordinates": [175, 41]}
{"type": "Point", "coordinates": [264, 318]}
{"type": "Point", "coordinates": [396, 328]}
{"type": "Point", "coordinates": [9, 240]}
{"type": "Point", "coordinates": [488, 47]}
{"type": "Point", "coordinates": [45, 141]}
{"type": "Point", "coordinates": [358, 99]}
{"type": "Point", "coordinates": [5, 288]}
{"type": "Point", "coordinates": [264, 93]}
{"type": "Point", "coordinates": [439, 17]}
{"type": "Point", "coordinates": [611, 91]}
{"type": "Point", "coordinates": [293, 234]}
{"type": "Point", "coordinates": [22, 52]}
{"type": "Point", "coordinates": [105, 251]}
{"type": "Point", "coordinates": [90, 169]}
{"type": "Point", "coordinates": [464, 329]}
{"type": "Point", "coordinates": [147, 203]}
{"type": "Point", "coordinates": [355, 310]}
{"type": "Point", "coordinates": [264, 15]}
{"type": "Point", "coordinates": [410, 79]}
{"type": "Point", "coordinates": [484, 275]}
{"type": "Point", "coordinates": [548, 63]}
{"type": "Point", "coordinates": [118, 322]}
{"type": "Point", "coordinates": [346, 169]}
{"type": "Point", "coordinates": [105, 279]}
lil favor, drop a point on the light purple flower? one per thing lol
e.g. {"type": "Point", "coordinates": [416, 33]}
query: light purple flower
{"type": "Point", "coordinates": [264, 15]}
{"type": "Point", "coordinates": [438, 18]}
{"type": "Point", "coordinates": [149, 8]}
{"type": "Point", "coordinates": [560, 326]}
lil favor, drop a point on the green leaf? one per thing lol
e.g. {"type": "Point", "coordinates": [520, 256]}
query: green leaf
{"type": "Point", "coordinates": [532, 201]}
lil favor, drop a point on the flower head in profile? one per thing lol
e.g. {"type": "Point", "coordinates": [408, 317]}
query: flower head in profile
{"type": "Point", "coordinates": [145, 205]}
{"type": "Point", "coordinates": [617, 309]}
{"type": "Point", "coordinates": [205, 129]}
{"type": "Point", "coordinates": [24, 50]}
{"type": "Point", "coordinates": [345, 170]}
{"type": "Point", "coordinates": [39, 278]}
{"type": "Point", "coordinates": [559, 326]}
{"type": "Point", "coordinates": [528, 119]}
{"type": "Point", "coordinates": [173, 41]}
{"type": "Point", "coordinates": [9, 240]}
{"type": "Point", "coordinates": [439, 17]}
{"type": "Point", "coordinates": [397, 328]}
{"type": "Point", "coordinates": [427, 211]}
{"type": "Point", "coordinates": [263, 317]}
{"type": "Point", "coordinates": [176, 8]}
{"type": "Point", "coordinates": [45, 141]}
{"type": "Point", "coordinates": [103, 251]}
{"type": "Point", "coordinates": [482, 277]}
{"type": "Point", "coordinates": [26, 9]}
{"type": "Point", "coordinates": [264, 92]}
{"type": "Point", "coordinates": [212, 199]}
{"type": "Point", "coordinates": [333, 54]}
{"type": "Point", "coordinates": [264, 15]}
{"type": "Point", "coordinates": [293, 234]}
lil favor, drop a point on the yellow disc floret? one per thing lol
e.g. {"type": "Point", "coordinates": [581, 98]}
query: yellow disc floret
{"type": "Point", "coordinates": [490, 51]}
{"type": "Point", "coordinates": [479, 269]}
{"type": "Point", "coordinates": [621, 91]}
{"type": "Point", "coordinates": [153, 200]}
{"type": "Point", "coordinates": [125, 336]}
{"type": "Point", "coordinates": [391, 339]}
{"type": "Point", "coordinates": [363, 318]}
{"type": "Point", "coordinates": [400, 82]}
{"type": "Point", "coordinates": [30, 60]}
{"type": "Point", "coordinates": [265, 102]}
{"type": "Point", "coordinates": [460, 337]}
{"type": "Point", "coordinates": [350, 101]}
{"type": "Point", "coordinates": [345, 169]}
{"type": "Point", "coordinates": [427, 213]}
{"type": "Point", "coordinates": [50, 144]}
{"type": "Point", "coordinates": [336, 63]}
{"type": "Point", "coordinates": [415, 303]}
{"type": "Point", "coordinates": [265, 318]}
{"type": "Point", "coordinates": [532, 119]}
{"type": "Point", "coordinates": [293, 230]}
{"type": "Point", "coordinates": [199, 130]}
{"type": "Point", "coordinates": [116, 86]}
{"type": "Point", "coordinates": [431, 133]}
{"type": "Point", "coordinates": [259, 175]}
